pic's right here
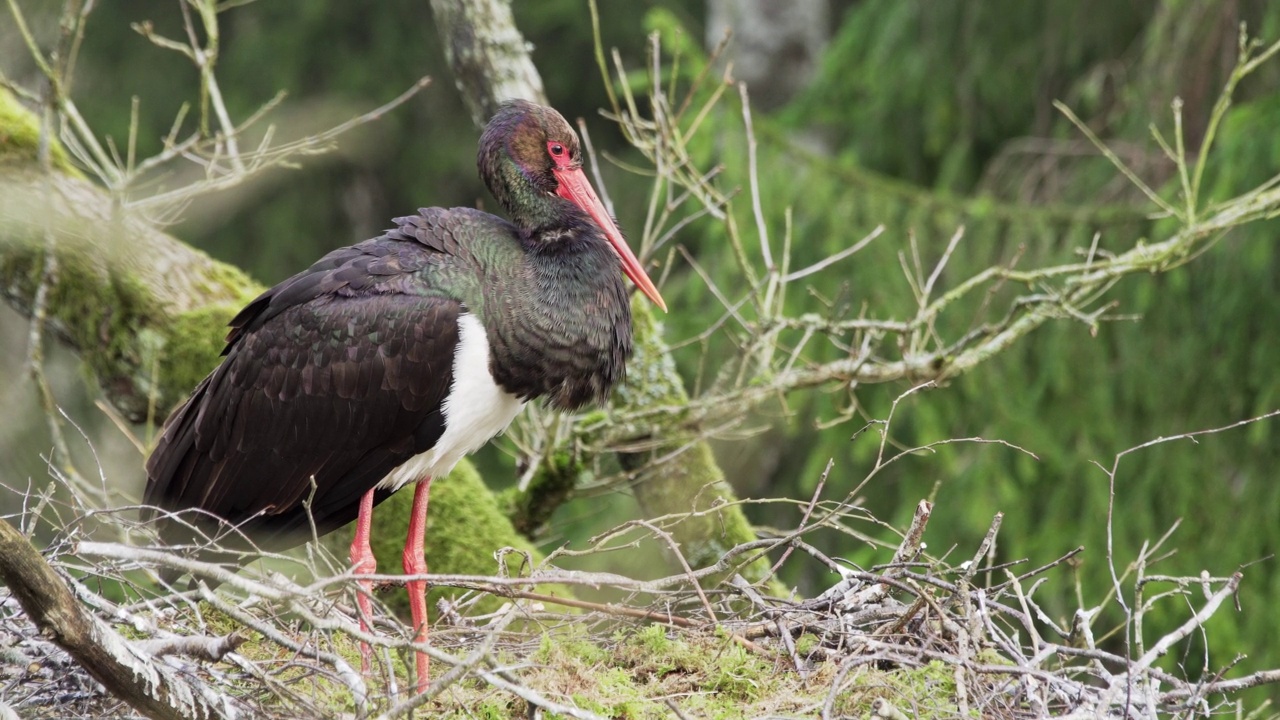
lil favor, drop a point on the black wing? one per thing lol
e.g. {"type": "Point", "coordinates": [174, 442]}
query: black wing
{"type": "Point", "coordinates": [338, 373]}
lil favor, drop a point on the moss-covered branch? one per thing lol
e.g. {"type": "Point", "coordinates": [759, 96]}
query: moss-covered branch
{"type": "Point", "coordinates": [144, 310]}
{"type": "Point", "coordinates": [688, 479]}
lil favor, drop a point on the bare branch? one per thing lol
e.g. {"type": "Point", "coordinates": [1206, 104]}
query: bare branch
{"type": "Point", "coordinates": [211, 649]}
{"type": "Point", "coordinates": [126, 671]}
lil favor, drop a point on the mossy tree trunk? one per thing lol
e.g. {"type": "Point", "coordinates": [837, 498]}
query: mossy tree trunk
{"type": "Point", "coordinates": [688, 478]}
{"type": "Point", "coordinates": [488, 56]}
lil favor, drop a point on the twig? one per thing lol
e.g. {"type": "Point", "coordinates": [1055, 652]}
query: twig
{"type": "Point", "coordinates": [675, 709]}
{"type": "Point", "coordinates": [762, 229]}
{"type": "Point", "coordinates": [211, 649]}
{"type": "Point", "coordinates": [970, 568]}
{"type": "Point", "coordinates": [459, 670]}
{"type": "Point", "coordinates": [808, 510]}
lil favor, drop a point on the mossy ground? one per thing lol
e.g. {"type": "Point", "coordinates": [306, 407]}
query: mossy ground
{"type": "Point", "coordinates": [632, 674]}
{"type": "Point", "coordinates": [627, 673]}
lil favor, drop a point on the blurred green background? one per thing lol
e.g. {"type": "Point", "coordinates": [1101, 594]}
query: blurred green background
{"type": "Point", "coordinates": [919, 115]}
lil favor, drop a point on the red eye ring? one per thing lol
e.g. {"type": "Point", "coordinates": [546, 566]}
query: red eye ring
{"type": "Point", "coordinates": [555, 148]}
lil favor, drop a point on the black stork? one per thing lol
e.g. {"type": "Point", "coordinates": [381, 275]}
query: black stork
{"type": "Point", "coordinates": [386, 362]}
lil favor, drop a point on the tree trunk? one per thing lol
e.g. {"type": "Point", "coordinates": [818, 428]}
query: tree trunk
{"type": "Point", "coordinates": [488, 55]}
{"type": "Point", "coordinates": [688, 478]}
{"type": "Point", "coordinates": [775, 46]}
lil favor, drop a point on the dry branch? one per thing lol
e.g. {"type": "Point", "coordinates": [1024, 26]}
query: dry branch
{"type": "Point", "coordinates": [127, 671]}
{"type": "Point", "coordinates": [210, 649]}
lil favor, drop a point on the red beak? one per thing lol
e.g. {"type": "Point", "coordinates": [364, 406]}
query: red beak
{"type": "Point", "coordinates": [575, 188]}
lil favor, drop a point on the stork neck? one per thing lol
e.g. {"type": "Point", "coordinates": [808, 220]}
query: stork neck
{"type": "Point", "coordinates": [569, 336]}
{"type": "Point", "coordinates": [529, 206]}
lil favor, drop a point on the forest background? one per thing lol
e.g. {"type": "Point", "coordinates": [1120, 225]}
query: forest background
{"type": "Point", "coordinates": [921, 116]}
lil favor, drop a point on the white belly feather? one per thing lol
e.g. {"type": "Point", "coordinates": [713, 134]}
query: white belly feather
{"type": "Point", "coordinates": [475, 411]}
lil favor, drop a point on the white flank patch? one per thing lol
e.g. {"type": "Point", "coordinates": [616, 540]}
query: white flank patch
{"type": "Point", "coordinates": [475, 411]}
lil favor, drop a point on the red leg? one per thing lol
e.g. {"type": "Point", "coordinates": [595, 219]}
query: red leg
{"type": "Point", "coordinates": [415, 563]}
{"type": "Point", "coordinates": [364, 563]}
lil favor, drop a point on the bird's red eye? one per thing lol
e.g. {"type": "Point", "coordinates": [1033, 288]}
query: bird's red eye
{"type": "Point", "coordinates": [555, 149]}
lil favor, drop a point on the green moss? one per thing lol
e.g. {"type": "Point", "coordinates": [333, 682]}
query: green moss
{"type": "Point", "coordinates": [595, 678]}
{"type": "Point", "coordinates": [653, 654]}
{"type": "Point", "coordinates": [630, 675]}
{"type": "Point", "coordinates": [530, 509]}
{"type": "Point", "coordinates": [111, 318]}
{"type": "Point", "coordinates": [220, 281]}
{"type": "Point", "coordinates": [573, 644]}
{"type": "Point", "coordinates": [99, 315]}
{"type": "Point", "coordinates": [652, 379]}
{"type": "Point", "coordinates": [653, 639]}
{"type": "Point", "coordinates": [20, 137]}
{"type": "Point", "coordinates": [192, 347]}
{"type": "Point", "coordinates": [485, 709]}
{"type": "Point", "coordinates": [806, 644]}
{"type": "Point", "coordinates": [738, 674]}
{"type": "Point", "coordinates": [130, 345]}
{"type": "Point", "coordinates": [619, 696]}
{"type": "Point", "coordinates": [713, 676]}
